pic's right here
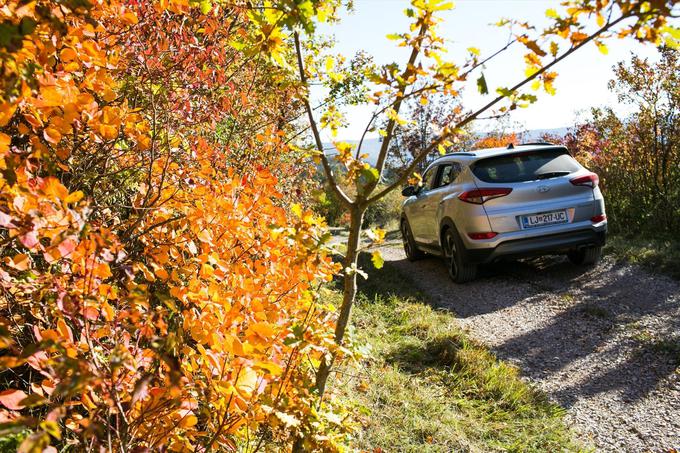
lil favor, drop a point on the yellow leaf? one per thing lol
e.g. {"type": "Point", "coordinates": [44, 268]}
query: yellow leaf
{"type": "Point", "coordinates": [74, 197]}
{"type": "Point", "coordinates": [296, 209]}
{"type": "Point", "coordinates": [246, 382]}
{"type": "Point", "coordinates": [551, 13]}
{"type": "Point", "coordinates": [377, 259]}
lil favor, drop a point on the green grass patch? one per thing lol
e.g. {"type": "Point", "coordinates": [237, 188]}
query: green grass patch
{"type": "Point", "coordinates": [658, 255]}
{"type": "Point", "coordinates": [426, 386]}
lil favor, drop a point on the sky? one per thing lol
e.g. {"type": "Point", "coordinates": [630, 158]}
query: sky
{"type": "Point", "coordinates": [583, 76]}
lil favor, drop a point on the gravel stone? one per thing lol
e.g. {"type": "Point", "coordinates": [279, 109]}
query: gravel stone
{"type": "Point", "coordinates": [589, 337]}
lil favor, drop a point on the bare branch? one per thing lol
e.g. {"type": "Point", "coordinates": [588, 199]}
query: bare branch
{"type": "Point", "coordinates": [315, 132]}
{"type": "Point", "coordinates": [473, 116]}
{"type": "Point", "coordinates": [389, 130]}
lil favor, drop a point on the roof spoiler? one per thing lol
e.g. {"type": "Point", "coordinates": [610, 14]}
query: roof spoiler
{"type": "Point", "coordinates": [511, 146]}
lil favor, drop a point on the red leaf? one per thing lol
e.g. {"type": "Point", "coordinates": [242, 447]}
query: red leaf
{"type": "Point", "coordinates": [29, 240]}
{"type": "Point", "coordinates": [11, 399]}
{"type": "Point", "coordinates": [67, 247]}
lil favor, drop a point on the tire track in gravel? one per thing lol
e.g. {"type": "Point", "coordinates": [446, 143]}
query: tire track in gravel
{"type": "Point", "coordinates": [599, 341]}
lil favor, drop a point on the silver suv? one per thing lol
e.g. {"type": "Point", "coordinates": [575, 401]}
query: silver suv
{"type": "Point", "coordinates": [476, 207]}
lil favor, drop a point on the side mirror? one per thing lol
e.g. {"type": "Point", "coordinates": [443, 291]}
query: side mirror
{"type": "Point", "coordinates": [409, 191]}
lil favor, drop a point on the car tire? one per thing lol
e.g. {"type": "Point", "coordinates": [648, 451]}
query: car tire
{"type": "Point", "coordinates": [586, 256]}
{"type": "Point", "coordinates": [460, 271]}
{"type": "Point", "coordinates": [410, 249]}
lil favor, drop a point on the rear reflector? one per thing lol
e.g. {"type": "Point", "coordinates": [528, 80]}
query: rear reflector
{"type": "Point", "coordinates": [481, 196]}
{"type": "Point", "coordinates": [591, 180]}
{"type": "Point", "coordinates": [487, 235]}
{"type": "Point", "coordinates": [598, 218]}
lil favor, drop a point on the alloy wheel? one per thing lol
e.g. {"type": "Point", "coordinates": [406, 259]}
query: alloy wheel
{"type": "Point", "coordinates": [405, 238]}
{"type": "Point", "coordinates": [450, 254]}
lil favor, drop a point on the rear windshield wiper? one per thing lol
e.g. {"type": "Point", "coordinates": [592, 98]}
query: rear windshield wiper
{"type": "Point", "coordinates": [552, 174]}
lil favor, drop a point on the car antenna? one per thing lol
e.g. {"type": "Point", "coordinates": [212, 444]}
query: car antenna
{"type": "Point", "coordinates": [511, 146]}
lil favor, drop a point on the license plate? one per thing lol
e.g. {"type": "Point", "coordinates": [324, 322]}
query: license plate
{"type": "Point", "coordinates": [544, 218]}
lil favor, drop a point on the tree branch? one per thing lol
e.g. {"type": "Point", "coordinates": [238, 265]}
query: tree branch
{"type": "Point", "coordinates": [344, 199]}
{"type": "Point", "coordinates": [468, 119]}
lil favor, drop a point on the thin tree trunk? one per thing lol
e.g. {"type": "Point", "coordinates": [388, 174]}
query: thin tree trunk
{"type": "Point", "coordinates": [349, 290]}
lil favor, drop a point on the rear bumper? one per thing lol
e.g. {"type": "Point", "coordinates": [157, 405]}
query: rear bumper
{"type": "Point", "coordinates": [541, 245]}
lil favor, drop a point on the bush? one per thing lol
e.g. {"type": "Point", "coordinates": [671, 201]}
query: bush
{"type": "Point", "coordinates": [637, 157]}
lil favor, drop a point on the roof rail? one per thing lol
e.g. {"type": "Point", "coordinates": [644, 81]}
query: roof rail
{"type": "Point", "coordinates": [535, 143]}
{"type": "Point", "coordinates": [460, 153]}
{"type": "Point", "coordinates": [455, 153]}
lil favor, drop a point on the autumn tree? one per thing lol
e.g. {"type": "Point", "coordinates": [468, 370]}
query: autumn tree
{"type": "Point", "coordinates": [637, 155]}
{"type": "Point", "coordinates": [158, 287]}
{"type": "Point", "coordinates": [428, 72]}
{"type": "Point", "coordinates": [427, 116]}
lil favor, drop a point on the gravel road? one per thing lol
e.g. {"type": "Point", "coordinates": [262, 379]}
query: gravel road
{"type": "Point", "coordinates": [600, 341]}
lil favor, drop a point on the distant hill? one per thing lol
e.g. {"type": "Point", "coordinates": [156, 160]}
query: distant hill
{"type": "Point", "coordinates": [371, 146]}
{"type": "Point", "coordinates": [536, 134]}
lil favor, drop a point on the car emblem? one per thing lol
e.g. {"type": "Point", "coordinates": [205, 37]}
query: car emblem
{"type": "Point", "coordinates": [543, 189]}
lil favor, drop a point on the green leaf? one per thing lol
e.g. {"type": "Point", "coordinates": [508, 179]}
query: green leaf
{"type": "Point", "coordinates": [505, 92]}
{"type": "Point", "coordinates": [481, 85]}
{"type": "Point", "coordinates": [10, 36]}
{"type": "Point", "coordinates": [366, 177]}
{"type": "Point", "coordinates": [27, 26]}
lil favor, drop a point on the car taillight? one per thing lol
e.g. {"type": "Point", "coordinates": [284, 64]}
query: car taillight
{"type": "Point", "coordinates": [598, 218]}
{"type": "Point", "coordinates": [485, 235]}
{"type": "Point", "coordinates": [481, 196]}
{"type": "Point", "coordinates": [590, 180]}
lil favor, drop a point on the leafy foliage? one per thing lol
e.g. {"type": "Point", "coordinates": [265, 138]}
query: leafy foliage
{"type": "Point", "coordinates": [156, 293]}
{"type": "Point", "coordinates": [637, 157]}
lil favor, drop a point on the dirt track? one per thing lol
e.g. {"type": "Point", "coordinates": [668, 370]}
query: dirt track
{"type": "Point", "coordinates": [599, 341]}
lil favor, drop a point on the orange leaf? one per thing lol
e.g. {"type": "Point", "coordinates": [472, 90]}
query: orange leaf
{"type": "Point", "coordinates": [6, 112]}
{"type": "Point", "coordinates": [263, 329]}
{"type": "Point", "coordinates": [162, 274]}
{"type": "Point", "coordinates": [52, 96]}
{"type": "Point", "coordinates": [4, 144]}
{"type": "Point", "coordinates": [67, 54]}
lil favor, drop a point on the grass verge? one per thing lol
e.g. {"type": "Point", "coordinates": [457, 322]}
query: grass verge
{"type": "Point", "coordinates": [658, 255]}
{"type": "Point", "coordinates": [427, 387]}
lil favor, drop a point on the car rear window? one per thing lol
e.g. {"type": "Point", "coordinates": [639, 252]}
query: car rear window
{"type": "Point", "coordinates": [525, 166]}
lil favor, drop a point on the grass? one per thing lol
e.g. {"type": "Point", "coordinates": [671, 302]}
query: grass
{"type": "Point", "coordinates": [658, 255]}
{"type": "Point", "coordinates": [427, 387]}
